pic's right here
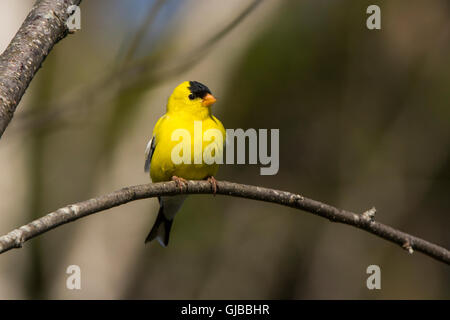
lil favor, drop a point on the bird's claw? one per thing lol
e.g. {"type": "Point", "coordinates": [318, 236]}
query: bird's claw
{"type": "Point", "coordinates": [213, 183]}
{"type": "Point", "coordinates": [181, 182]}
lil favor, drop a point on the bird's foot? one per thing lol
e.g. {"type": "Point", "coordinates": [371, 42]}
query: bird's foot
{"type": "Point", "coordinates": [180, 182]}
{"type": "Point", "coordinates": [213, 183]}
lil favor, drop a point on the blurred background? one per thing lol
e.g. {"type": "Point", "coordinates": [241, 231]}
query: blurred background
{"type": "Point", "coordinates": [364, 121]}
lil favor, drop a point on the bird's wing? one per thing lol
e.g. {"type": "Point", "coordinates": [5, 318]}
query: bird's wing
{"type": "Point", "coordinates": [151, 145]}
{"type": "Point", "coordinates": [149, 153]}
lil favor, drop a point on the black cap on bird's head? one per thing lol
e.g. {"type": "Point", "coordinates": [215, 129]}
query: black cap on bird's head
{"type": "Point", "coordinates": [199, 90]}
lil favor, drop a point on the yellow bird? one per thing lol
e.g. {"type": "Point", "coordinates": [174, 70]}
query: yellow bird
{"type": "Point", "coordinates": [188, 107]}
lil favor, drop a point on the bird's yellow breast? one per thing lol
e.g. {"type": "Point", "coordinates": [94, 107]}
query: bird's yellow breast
{"type": "Point", "coordinates": [162, 166]}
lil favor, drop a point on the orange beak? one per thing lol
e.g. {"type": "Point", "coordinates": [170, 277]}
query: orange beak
{"type": "Point", "coordinates": [208, 100]}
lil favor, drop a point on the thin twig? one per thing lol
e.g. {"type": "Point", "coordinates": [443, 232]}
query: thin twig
{"type": "Point", "coordinates": [366, 222]}
{"type": "Point", "coordinates": [44, 26]}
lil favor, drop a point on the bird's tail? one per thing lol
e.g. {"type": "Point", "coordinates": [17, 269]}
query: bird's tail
{"type": "Point", "coordinates": [168, 207]}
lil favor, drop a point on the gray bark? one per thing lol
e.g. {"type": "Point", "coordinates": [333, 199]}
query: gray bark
{"type": "Point", "coordinates": [364, 221]}
{"type": "Point", "coordinates": [44, 26]}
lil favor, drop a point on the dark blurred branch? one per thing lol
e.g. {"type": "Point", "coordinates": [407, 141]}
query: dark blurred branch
{"type": "Point", "coordinates": [44, 26]}
{"type": "Point", "coordinates": [364, 221]}
{"type": "Point", "coordinates": [190, 59]}
{"type": "Point", "coordinates": [141, 32]}
{"type": "Point", "coordinates": [135, 72]}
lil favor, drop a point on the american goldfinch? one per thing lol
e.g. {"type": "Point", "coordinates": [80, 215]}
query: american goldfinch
{"type": "Point", "coordinates": [188, 106]}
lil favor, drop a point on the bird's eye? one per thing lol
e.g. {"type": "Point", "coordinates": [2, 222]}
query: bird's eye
{"type": "Point", "coordinates": [191, 96]}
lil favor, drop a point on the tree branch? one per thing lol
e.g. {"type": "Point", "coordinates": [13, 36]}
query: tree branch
{"type": "Point", "coordinates": [364, 221]}
{"type": "Point", "coordinates": [44, 26]}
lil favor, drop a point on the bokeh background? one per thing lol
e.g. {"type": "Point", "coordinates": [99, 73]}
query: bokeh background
{"type": "Point", "coordinates": [364, 121]}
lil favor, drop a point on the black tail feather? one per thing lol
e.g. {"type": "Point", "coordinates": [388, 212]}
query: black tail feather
{"type": "Point", "coordinates": [161, 229]}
